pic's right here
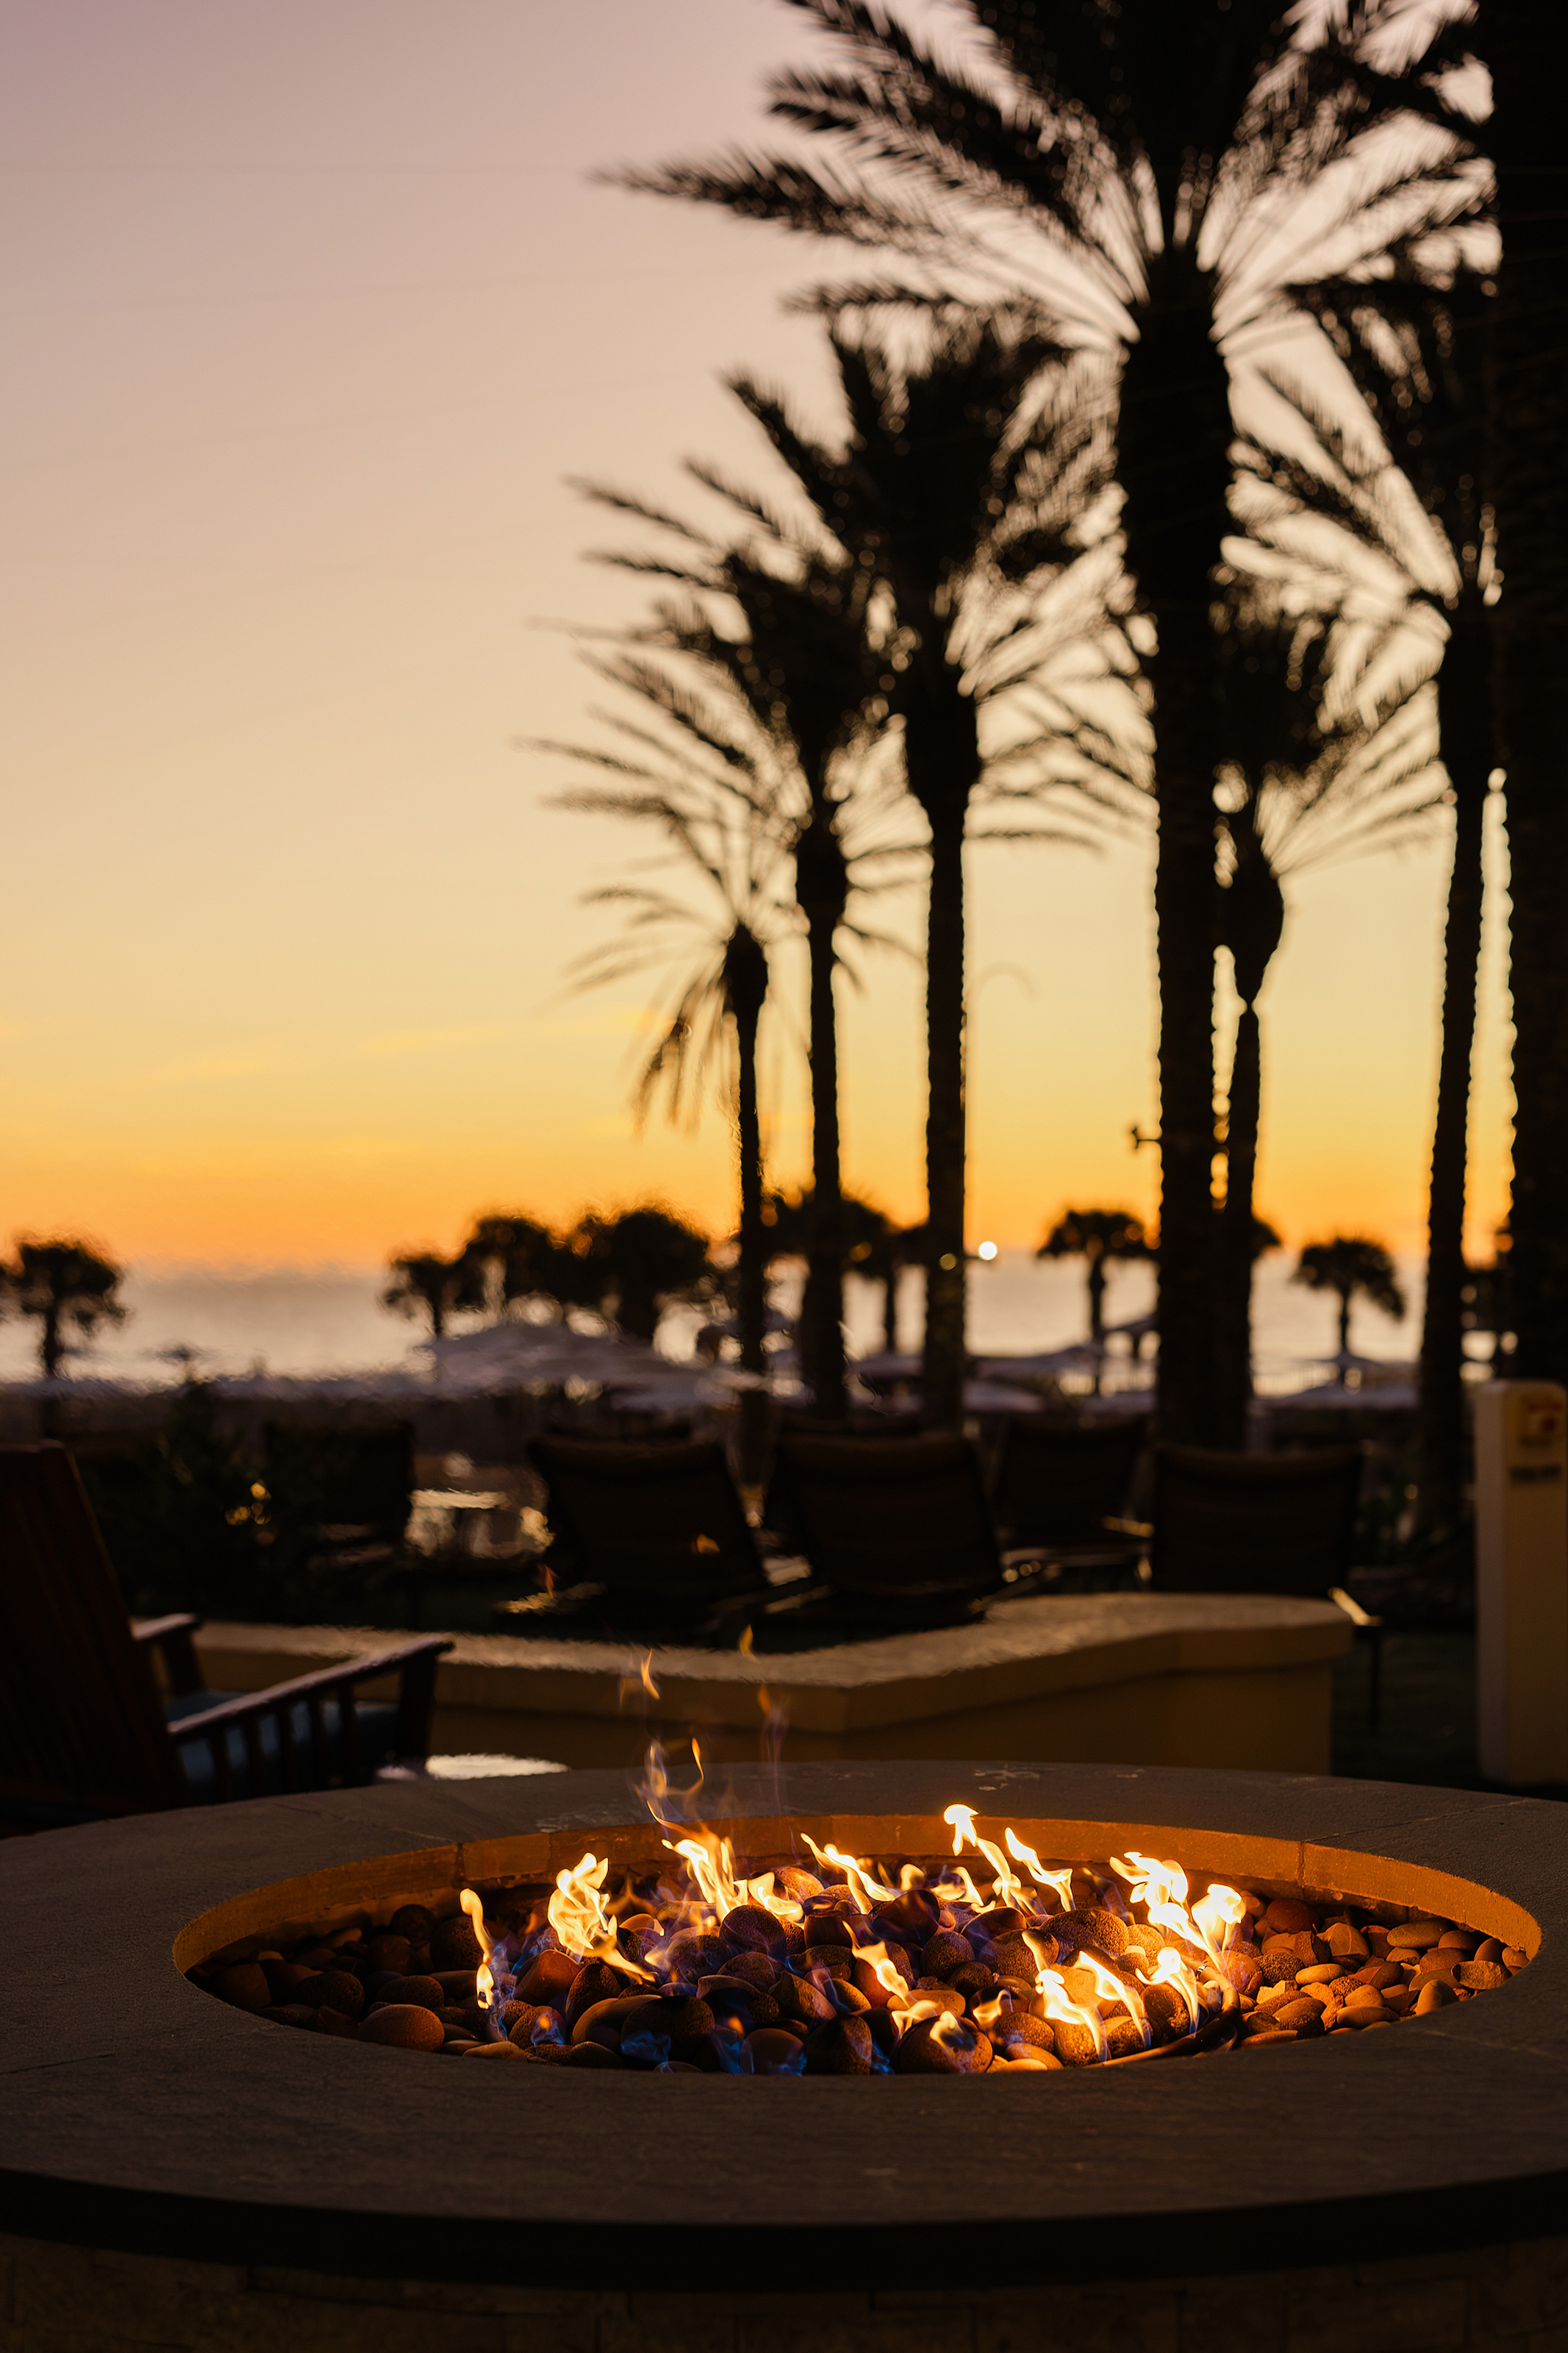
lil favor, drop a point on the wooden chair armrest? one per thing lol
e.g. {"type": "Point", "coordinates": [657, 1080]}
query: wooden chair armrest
{"type": "Point", "coordinates": [173, 1637]}
{"type": "Point", "coordinates": [416, 1661]}
{"type": "Point", "coordinates": [1352, 1608]}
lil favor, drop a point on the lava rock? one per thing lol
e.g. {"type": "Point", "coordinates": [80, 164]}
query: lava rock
{"type": "Point", "coordinates": [1095, 1923]}
{"type": "Point", "coordinates": [405, 2026]}
{"type": "Point", "coordinates": [549, 1980]}
{"type": "Point", "coordinates": [413, 1921]}
{"type": "Point", "coordinates": [959, 2049]}
{"type": "Point", "coordinates": [1001, 1921]}
{"type": "Point", "coordinates": [734, 2002]}
{"type": "Point", "coordinates": [799, 1998]}
{"type": "Point", "coordinates": [594, 1983]}
{"type": "Point", "coordinates": [937, 1989]}
{"type": "Point", "coordinates": [388, 1952]}
{"type": "Point", "coordinates": [843, 2047]}
{"type": "Point", "coordinates": [974, 1981]}
{"type": "Point", "coordinates": [748, 1928]}
{"type": "Point", "coordinates": [1015, 2029]}
{"type": "Point", "coordinates": [759, 1969]}
{"type": "Point", "coordinates": [244, 1986]}
{"type": "Point", "coordinates": [775, 2052]}
{"type": "Point", "coordinates": [425, 1991]}
{"type": "Point", "coordinates": [453, 1944]}
{"type": "Point", "coordinates": [828, 1928]}
{"type": "Point", "coordinates": [945, 1952]}
{"type": "Point", "coordinates": [1288, 1916]}
{"type": "Point", "coordinates": [1481, 1977]}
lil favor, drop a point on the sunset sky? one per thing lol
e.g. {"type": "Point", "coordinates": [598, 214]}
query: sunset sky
{"type": "Point", "coordinates": [311, 310]}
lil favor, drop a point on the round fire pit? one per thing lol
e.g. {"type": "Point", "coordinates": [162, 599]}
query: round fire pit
{"type": "Point", "coordinates": [231, 2158]}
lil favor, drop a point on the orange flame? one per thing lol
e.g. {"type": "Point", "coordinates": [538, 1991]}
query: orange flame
{"type": "Point", "coordinates": [484, 1981]}
{"type": "Point", "coordinates": [1171, 1969]}
{"type": "Point", "coordinates": [1060, 1880]}
{"type": "Point", "coordinates": [1112, 1987]}
{"type": "Point", "coordinates": [581, 1922]}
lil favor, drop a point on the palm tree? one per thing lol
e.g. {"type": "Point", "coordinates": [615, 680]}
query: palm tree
{"type": "Point", "coordinates": [1527, 431]}
{"type": "Point", "coordinates": [425, 1283]}
{"type": "Point", "coordinates": [1147, 150]}
{"type": "Point", "coordinates": [808, 674]}
{"type": "Point", "coordinates": [518, 1259]}
{"type": "Point", "coordinates": [959, 490]}
{"type": "Point", "coordinates": [872, 1245]}
{"type": "Point", "coordinates": [1103, 1238]}
{"type": "Point", "coordinates": [726, 839]}
{"type": "Point", "coordinates": [1412, 340]}
{"type": "Point", "coordinates": [632, 1266]}
{"type": "Point", "coordinates": [1311, 773]}
{"type": "Point", "coordinates": [66, 1285]}
{"type": "Point", "coordinates": [1350, 1266]}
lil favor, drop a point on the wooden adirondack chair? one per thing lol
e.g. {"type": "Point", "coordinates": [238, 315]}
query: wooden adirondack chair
{"type": "Point", "coordinates": [83, 1733]}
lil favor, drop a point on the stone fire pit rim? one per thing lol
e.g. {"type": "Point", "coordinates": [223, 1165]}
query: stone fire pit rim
{"type": "Point", "coordinates": [138, 2113]}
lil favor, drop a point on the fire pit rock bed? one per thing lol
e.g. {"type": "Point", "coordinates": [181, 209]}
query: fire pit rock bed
{"type": "Point", "coordinates": [178, 2171]}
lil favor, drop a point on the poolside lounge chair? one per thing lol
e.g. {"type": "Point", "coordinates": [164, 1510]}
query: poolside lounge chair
{"type": "Point", "coordinates": [83, 1731]}
{"type": "Point", "coordinates": [657, 1525]}
{"type": "Point", "coordinates": [1262, 1523]}
{"type": "Point", "coordinates": [896, 1527]}
{"type": "Point", "coordinates": [1062, 1486]}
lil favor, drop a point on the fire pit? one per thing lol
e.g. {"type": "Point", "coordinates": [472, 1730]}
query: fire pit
{"type": "Point", "coordinates": [1374, 2183]}
{"type": "Point", "coordinates": [821, 1963]}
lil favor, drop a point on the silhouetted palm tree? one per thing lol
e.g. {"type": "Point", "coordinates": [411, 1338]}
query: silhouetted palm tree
{"type": "Point", "coordinates": [725, 840]}
{"type": "Point", "coordinates": [1147, 149]}
{"type": "Point", "coordinates": [1103, 1238]}
{"type": "Point", "coordinates": [1411, 339]}
{"type": "Point", "coordinates": [1311, 773]}
{"type": "Point", "coordinates": [1351, 1266]}
{"type": "Point", "coordinates": [518, 1259]}
{"type": "Point", "coordinates": [960, 489]}
{"type": "Point", "coordinates": [425, 1283]}
{"type": "Point", "coordinates": [634, 1265]}
{"type": "Point", "coordinates": [810, 674]}
{"type": "Point", "coordinates": [66, 1285]}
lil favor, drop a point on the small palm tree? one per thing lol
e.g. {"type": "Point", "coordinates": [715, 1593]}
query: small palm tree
{"type": "Point", "coordinates": [1103, 1238]}
{"type": "Point", "coordinates": [519, 1259]}
{"type": "Point", "coordinates": [66, 1285]}
{"type": "Point", "coordinates": [1351, 1266]}
{"type": "Point", "coordinates": [725, 839]}
{"type": "Point", "coordinates": [1312, 771]}
{"type": "Point", "coordinates": [632, 1266]}
{"type": "Point", "coordinates": [425, 1283]}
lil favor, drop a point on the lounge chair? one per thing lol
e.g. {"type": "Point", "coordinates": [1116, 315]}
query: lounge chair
{"type": "Point", "coordinates": [1062, 1487]}
{"type": "Point", "coordinates": [896, 1527]}
{"type": "Point", "coordinates": [1262, 1523]}
{"type": "Point", "coordinates": [657, 1525]}
{"type": "Point", "coordinates": [83, 1732]}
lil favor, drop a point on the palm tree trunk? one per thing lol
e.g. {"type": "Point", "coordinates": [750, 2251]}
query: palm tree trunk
{"type": "Point", "coordinates": [1465, 721]}
{"type": "Point", "coordinates": [746, 987]}
{"type": "Point", "coordinates": [1344, 1331]}
{"type": "Point", "coordinates": [1233, 1336]}
{"type": "Point", "coordinates": [1174, 467]}
{"type": "Point", "coordinates": [52, 1348]}
{"type": "Point", "coordinates": [1525, 43]}
{"type": "Point", "coordinates": [821, 894]}
{"type": "Point", "coordinates": [942, 1372]}
{"type": "Point", "coordinates": [1097, 1299]}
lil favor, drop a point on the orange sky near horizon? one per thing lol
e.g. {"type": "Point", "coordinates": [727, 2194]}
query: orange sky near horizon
{"type": "Point", "coordinates": [312, 312]}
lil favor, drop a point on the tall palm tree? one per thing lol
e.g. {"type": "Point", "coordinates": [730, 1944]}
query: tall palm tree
{"type": "Point", "coordinates": [1142, 152]}
{"type": "Point", "coordinates": [724, 838]}
{"type": "Point", "coordinates": [808, 671]}
{"type": "Point", "coordinates": [1525, 44]}
{"type": "Point", "coordinates": [1412, 340]}
{"type": "Point", "coordinates": [1313, 771]}
{"type": "Point", "coordinates": [960, 489]}
{"type": "Point", "coordinates": [1351, 1266]}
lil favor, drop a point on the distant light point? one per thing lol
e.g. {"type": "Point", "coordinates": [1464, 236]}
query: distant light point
{"type": "Point", "coordinates": [987, 1249]}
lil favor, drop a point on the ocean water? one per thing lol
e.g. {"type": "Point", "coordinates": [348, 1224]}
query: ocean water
{"type": "Point", "coordinates": [299, 1321]}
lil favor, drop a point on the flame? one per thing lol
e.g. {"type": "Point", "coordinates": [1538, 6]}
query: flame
{"type": "Point", "coordinates": [1007, 1886]}
{"type": "Point", "coordinates": [1060, 1880]}
{"type": "Point", "coordinates": [887, 1974]}
{"type": "Point", "coordinates": [484, 1979]}
{"type": "Point", "coordinates": [582, 1925]}
{"type": "Point", "coordinates": [1171, 1969]}
{"type": "Point", "coordinates": [1112, 1987]}
{"type": "Point", "coordinates": [657, 1791]}
{"type": "Point", "coordinates": [1221, 1907]}
{"type": "Point", "coordinates": [962, 1818]}
{"type": "Point", "coordinates": [641, 1681]}
{"type": "Point", "coordinates": [868, 1891]}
